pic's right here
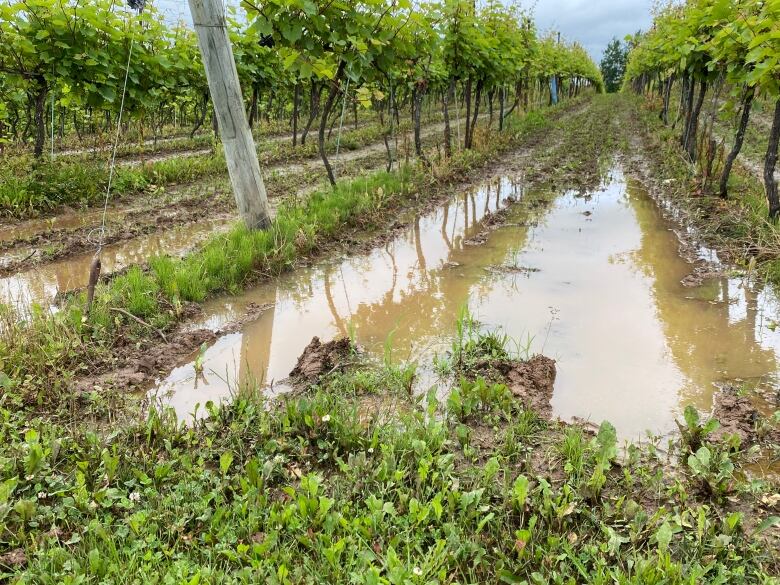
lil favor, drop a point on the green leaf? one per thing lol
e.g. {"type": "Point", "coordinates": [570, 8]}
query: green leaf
{"type": "Point", "coordinates": [291, 31]}
{"type": "Point", "coordinates": [664, 536]}
{"type": "Point", "coordinates": [261, 25]}
{"type": "Point", "coordinates": [225, 460]}
{"type": "Point", "coordinates": [691, 416]}
{"type": "Point", "coordinates": [766, 524]}
{"type": "Point", "coordinates": [107, 92]}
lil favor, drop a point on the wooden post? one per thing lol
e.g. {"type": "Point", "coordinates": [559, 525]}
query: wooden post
{"type": "Point", "coordinates": [240, 153]}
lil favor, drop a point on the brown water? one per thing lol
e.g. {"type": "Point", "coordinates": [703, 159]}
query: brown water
{"type": "Point", "coordinates": [592, 281]}
{"type": "Point", "coordinates": [41, 284]}
{"type": "Point", "coordinates": [67, 220]}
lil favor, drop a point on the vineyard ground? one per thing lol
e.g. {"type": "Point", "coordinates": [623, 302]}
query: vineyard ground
{"type": "Point", "coordinates": [178, 205]}
{"type": "Point", "coordinates": [738, 227]}
{"type": "Point", "coordinates": [537, 160]}
{"type": "Point", "coordinates": [321, 483]}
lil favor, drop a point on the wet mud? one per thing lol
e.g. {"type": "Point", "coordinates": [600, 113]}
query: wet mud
{"type": "Point", "coordinates": [531, 381]}
{"type": "Point", "coordinates": [320, 359]}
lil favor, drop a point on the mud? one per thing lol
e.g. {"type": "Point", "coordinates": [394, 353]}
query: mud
{"type": "Point", "coordinates": [320, 359]}
{"type": "Point", "coordinates": [138, 368]}
{"type": "Point", "coordinates": [14, 559]}
{"type": "Point", "coordinates": [531, 382]}
{"type": "Point", "coordinates": [61, 237]}
{"type": "Point", "coordinates": [46, 283]}
{"type": "Point", "coordinates": [621, 260]}
{"type": "Point", "coordinates": [130, 362]}
{"type": "Point", "coordinates": [738, 415]}
{"type": "Point", "coordinates": [142, 367]}
{"type": "Point", "coordinates": [61, 244]}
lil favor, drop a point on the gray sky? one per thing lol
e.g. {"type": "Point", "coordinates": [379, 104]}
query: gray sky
{"type": "Point", "coordinates": [591, 22]}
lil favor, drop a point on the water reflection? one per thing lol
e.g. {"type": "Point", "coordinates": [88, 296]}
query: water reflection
{"type": "Point", "coordinates": [41, 284]}
{"type": "Point", "coordinates": [594, 281]}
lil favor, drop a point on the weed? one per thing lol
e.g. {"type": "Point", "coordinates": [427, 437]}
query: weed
{"type": "Point", "coordinates": [694, 432]}
{"type": "Point", "coordinates": [307, 489]}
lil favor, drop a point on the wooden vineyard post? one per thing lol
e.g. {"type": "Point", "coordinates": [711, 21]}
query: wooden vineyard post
{"type": "Point", "coordinates": [244, 169]}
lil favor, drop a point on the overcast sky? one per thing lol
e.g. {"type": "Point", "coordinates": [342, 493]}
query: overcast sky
{"type": "Point", "coordinates": [590, 22]}
{"type": "Point", "coordinates": [593, 23]}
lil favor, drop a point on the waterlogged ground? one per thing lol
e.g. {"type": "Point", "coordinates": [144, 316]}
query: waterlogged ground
{"type": "Point", "coordinates": [593, 280]}
{"type": "Point", "coordinates": [42, 283]}
{"type": "Point", "coordinates": [45, 256]}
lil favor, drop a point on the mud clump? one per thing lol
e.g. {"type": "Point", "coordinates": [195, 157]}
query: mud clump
{"type": "Point", "coordinates": [531, 381]}
{"type": "Point", "coordinates": [252, 313]}
{"type": "Point", "coordinates": [491, 222]}
{"type": "Point", "coordinates": [14, 559]}
{"type": "Point", "coordinates": [143, 366]}
{"type": "Point", "coordinates": [737, 416]}
{"type": "Point", "coordinates": [319, 359]}
{"type": "Point", "coordinates": [512, 269]}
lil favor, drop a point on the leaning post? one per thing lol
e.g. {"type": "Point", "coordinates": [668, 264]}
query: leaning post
{"type": "Point", "coordinates": [248, 187]}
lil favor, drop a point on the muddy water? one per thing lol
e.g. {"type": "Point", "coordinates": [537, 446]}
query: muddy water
{"type": "Point", "coordinates": [41, 284]}
{"type": "Point", "coordinates": [592, 281]}
{"type": "Point", "coordinates": [68, 220]}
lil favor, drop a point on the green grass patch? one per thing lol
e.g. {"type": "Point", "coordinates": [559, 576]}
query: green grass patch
{"type": "Point", "coordinates": [356, 481]}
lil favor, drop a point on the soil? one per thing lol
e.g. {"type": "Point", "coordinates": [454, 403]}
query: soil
{"type": "Point", "coordinates": [65, 243]}
{"type": "Point", "coordinates": [644, 163]}
{"type": "Point", "coordinates": [531, 381]}
{"type": "Point", "coordinates": [319, 359]}
{"type": "Point", "coordinates": [141, 367]}
{"type": "Point", "coordinates": [207, 199]}
{"type": "Point", "coordinates": [512, 269]}
{"type": "Point", "coordinates": [738, 416]}
{"type": "Point", "coordinates": [13, 559]}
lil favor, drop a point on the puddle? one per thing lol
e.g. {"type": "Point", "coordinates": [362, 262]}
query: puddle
{"type": "Point", "coordinates": [593, 282]}
{"type": "Point", "coordinates": [67, 220]}
{"type": "Point", "coordinates": [41, 284]}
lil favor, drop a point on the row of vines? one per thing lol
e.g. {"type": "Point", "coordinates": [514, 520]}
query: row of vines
{"type": "Point", "coordinates": [727, 48]}
{"type": "Point", "coordinates": [63, 65]}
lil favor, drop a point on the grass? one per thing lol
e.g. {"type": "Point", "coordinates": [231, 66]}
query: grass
{"type": "Point", "coordinates": [354, 480]}
{"type": "Point", "coordinates": [29, 186]}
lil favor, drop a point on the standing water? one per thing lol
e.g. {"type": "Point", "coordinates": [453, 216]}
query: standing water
{"type": "Point", "coordinates": [41, 284]}
{"type": "Point", "coordinates": [592, 281]}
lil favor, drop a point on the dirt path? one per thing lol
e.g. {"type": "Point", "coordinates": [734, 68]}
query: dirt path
{"type": "Point", "coordinates": [263, 137]}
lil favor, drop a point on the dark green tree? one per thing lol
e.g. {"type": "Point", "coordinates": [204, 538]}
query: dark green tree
{"type": "Point", "coordinates": [613, 65]}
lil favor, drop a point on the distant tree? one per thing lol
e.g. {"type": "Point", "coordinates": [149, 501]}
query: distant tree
{"type": "Point", "coordinates": [613, 65]}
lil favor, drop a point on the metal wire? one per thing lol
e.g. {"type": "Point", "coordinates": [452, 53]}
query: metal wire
{"type": "Point", "coordinates": [102, 229]}
{"type": "Point", "coordinates": [341, 123]}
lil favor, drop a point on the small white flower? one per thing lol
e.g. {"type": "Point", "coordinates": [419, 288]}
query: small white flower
{"type": "Point", "coordinates": [326, 418]}
{"type": "Point", "coordinates": [135, 497]}
{"type": "Point", "coordinates": [370, 449]}
{"type": "Point", "coordinates": [417, 571]}
{"type": "Point", "coordinates": [42, 495]}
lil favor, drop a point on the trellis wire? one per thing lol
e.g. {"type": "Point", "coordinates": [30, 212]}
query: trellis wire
{"type": "Point", "coordinates": [102, 232]}
{"type": "Point", "coordinates": [341, 123]}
